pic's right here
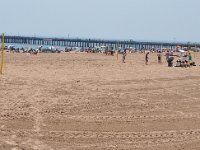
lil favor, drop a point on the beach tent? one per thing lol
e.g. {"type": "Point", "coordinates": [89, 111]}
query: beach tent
{"type": "Point", "coordinates": [77, 49]}
{"type": "Point", "coordinates": [10, 46]}
{"type": "Point", "coordinates": [51, 48]}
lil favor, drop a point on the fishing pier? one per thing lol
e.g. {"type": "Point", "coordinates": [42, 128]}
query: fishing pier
{"type": "Point", "coordinates": [76, 42]}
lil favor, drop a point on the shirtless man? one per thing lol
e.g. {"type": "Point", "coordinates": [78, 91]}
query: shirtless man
{"type": "Point", "coordinates": [147, 58]}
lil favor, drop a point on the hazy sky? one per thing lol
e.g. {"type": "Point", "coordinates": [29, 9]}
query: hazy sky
{"type": "Point", "coordinates": [160, 20]}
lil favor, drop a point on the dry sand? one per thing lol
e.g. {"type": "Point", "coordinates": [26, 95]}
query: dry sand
{"type": "Point", "coordinates": [91, 101]}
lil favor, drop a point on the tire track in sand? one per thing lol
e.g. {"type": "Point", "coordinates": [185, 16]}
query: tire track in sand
{"type": "Point", "coordinates": [36, 107]}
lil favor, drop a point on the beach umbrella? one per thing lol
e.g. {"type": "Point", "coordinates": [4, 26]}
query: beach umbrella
{"type": "Point", "coordinates": [178, 47]}
{"type": "Point", "coordinates": [10, 46]}
{"type": "Point", "coordinates": [182, 51]}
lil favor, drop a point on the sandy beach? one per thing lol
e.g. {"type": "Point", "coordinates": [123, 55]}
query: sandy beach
{"type": "Point", "coordinates": [92, 101]}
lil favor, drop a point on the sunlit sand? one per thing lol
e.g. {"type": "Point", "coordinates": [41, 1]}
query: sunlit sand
{"type": "Point", "coordinates": [93, 101]}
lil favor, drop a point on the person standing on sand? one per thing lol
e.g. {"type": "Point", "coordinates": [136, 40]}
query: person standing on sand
{"type": "Point", "coordinates": [147, 58]}
{"type": "Point", "coordinates": [189, 58]}
{"type": "Point", "coordinates": [167, 55]}
{"type": "Point", "coordinates": [124, 56]}
{"type": "Point", "coordinates": [159, 58]}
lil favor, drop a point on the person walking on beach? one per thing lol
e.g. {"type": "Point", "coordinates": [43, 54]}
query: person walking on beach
{"type": "Point", "coordinates": [124, 56]}
{"type": "Point", "coordinates": [147, 58]}
{"type": "Point", "coordinates": [159, 58]}
{"type": "Point", "coordinates": [189, 58]}
{"type": "Point", "coordinates": [167, 55]}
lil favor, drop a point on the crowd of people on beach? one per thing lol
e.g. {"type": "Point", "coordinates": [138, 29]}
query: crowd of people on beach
{"type": "Point", "coordinates": [183, 59]}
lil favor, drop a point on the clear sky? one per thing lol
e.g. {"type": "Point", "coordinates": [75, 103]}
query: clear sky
{"type": "Point", "coordinates": [160, 20]}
